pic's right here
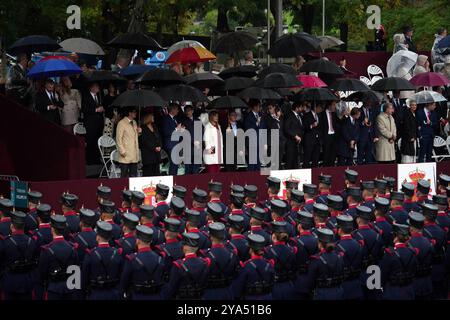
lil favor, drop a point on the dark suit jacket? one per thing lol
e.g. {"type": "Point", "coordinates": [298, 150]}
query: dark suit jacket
{"type": "Point", "coordinates": [367, 133]}
{"type": "Point", "coordinates": [148, 141]}
{"type": "Point", "coordinates": [88, 104]}
{"type": "Point", "coordinates": [349, 132]}
{"type": "Point", "coordinates": [323, 121]}
{"type": "Point", "coordinates": [169, 126]}
{"type": "Point", "coordinates": [292, 127]}
{"type": "Point", "coordinates": [409, 132]}
{"type": "Point", "coordinates": [250, 122]}
{"type": "Point", "coordinates": [43, 101]}
{"type": "Point", "coordinates": [311, 134]}
{"type": "Point", "coordinates": [426, 130]}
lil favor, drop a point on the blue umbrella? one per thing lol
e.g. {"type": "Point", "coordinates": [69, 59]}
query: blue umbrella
{"type": "Point", "coordinates": [135, 70]}
{"type": "Point", "coordinates": [53, 68]}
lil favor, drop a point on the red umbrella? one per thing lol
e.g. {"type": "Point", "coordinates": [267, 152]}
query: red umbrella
{"type": "Point", "coordinates": [429, 79]}
{"type": "Point", "coordinates": [54, 57]}
{"type": "Point", "coordinates": [311, 81]}
{"type": "Point", "coordinates": [190, 55]}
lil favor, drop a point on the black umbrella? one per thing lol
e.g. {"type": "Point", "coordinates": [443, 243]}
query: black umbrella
{"type": "Point", "coordinates": [294, 44]}
{"type": "Point", "coordinates": [35, 43]}
{"type": "Point", "coordinates": [315, 94]}
{"type": "Point", "coordinates": [276, 67]}
{"type": "Point", "coordinates": [392, 83]}
{"type": "Point", "coordinates": [232, 42]}
{"type": "Point", "coordinates": [160, 77]}
{"type": "Point", "coordinates": [139, 41]}
{"type": "Point", "coordinates": [138, 98]}
{"type": "Point", "coordinates": [370, 95]}
{"type": "Point", "coordinates": [227, 102]}
{"type": "Point", "coordinates": [321, 65]}
{"type": "Point", "coordinates": [279, 80]}
{"type": "Point", "coordinates": [203, 80]}
{"type": "Point", "coordinates": [182, 92]}
{"type": "Point", "coordinates": [103, 76]}
{"type": "Point", "coordinates": [238, 83]}
{"type": "Point", "coordinates": [284, 92]}
{"type": "Point", "coordinates": [349, 84]}
{"type": "Point", "coordinates": [239, 71]}
{"type": "Point", "coordinates": [259, 93]}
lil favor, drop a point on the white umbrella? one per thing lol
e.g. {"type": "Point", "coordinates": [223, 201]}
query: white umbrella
{"type": "Point", "coordinates": [401, 63]}
{"type": "Point", "coordinates": [329, 42]}
{"type": "Point", "coordinates": [184, 44]}
{"type": "Point", "coordinates": [82, 45]}
{"type": "Point", "coordinates": [428, 96]}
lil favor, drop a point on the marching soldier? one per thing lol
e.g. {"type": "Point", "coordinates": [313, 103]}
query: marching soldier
{"type": "Point", "coordinates": [137, 198]}
{"type": "Point", "coordinates": [423, 189]}
{"type": "Point", "coordinates": [250, 197]}
{"type": "Point", "coordinates": [86, 238]}
{"type": "Point", "coordinates": [126, 201]}
{"type": "Point", "coordinates": [335, 205]}
{"type": "Point", "coordinates": [236, 204]}
{"type": "Point", "coordinates": [237, 240]}
{"type": "Point", "coordinates": [351, 178]}
{"type": "Point", "coordinates": [34, 199]}
{"type": "Point", "coordinates": [278, 210]}
{"type": "Point", "coordinates": [442, 219]}
{"type": "Point", "coordinates": [290, 186]}
{"type": "Point", "coordinates": [391, 185]}
{"type": "Point", "coordinates": [147, 218]}
{"type": "Point", "coordinates": [102, 266]}
{"type": "Point", "coordinates": [6, 207]}
{"type": "Point", "coordinates": [408, 204]}
{"type": "Point", "coordinates": [69, 203]}
{"type": "Point", "coordinates": [353, 199]}
{"type": "Point", "coordinates": [324, 188]}
{"type": "Point", "coordinates": [214, 213]}
{"type": "Point", "coordinates": [215, 192]}
{"type": "Point", "coordinates": [235, 188]}
{"type": "Point", "coordinates": [172, 249]}
{"type": "Point", "coordinates": [192, 223]}
{"type": "Point", "coordinates": [273, 188]}
{"type": "Point", "coordinates": [176, 211]}
{"type": "Point", "coordinates": [309, 191]}
{"type": "Point", "coordinates": [142, 277]}
{"type": "Point", "coordinates": [367, 188]}
{"type": "Point", "coordinates": [257, 216]}
{"type": "Point", "coordinates": [179, 191]}
{"type": "Point", "coordinates": [107, 209]}
{"type": "Point", "coordinates": [443, 183]}
{"type": "Point", "coordinates": [103, 193]}
{"type": "Point", "coordinates": [380, 188]}
{"type": "Point", "coordinates": [199, 200]}
{"type": "Point", "coordinates": [128, 241]}
{"type": "Point", "coordinates": [321, 215]}
{"type": "Point", "coordinates": [43, 234]}
{"type": "Point", "coordinates": [297, 200]}
{"type": "Point", "coordinates": [397, 213]}
{"type": "Point", "coordinates": [161, 206]}
{"type": "Point", "coordinates": [381, 223]}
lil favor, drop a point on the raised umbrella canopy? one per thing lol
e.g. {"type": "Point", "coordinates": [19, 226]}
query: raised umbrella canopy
{"type": "Point", "coordinates": [428, 96]}
{"type": "Point", "coordinates": [34, 43]}
{"type": "Point", "coordinates": [321, 65]}
{"type": "Point", "coordinates": [401, 63]}
{"type": "Point", "coordinates": [315, 94]}
{"type": "Point", "coordinates": [138, 40]}
{"type": "Point", "coordinates": [327, 42]}
{"type": "Point", "coordinates": [182, 92]}
{"type": "Point", "coordinates": [276, 67]}
{"type": "Point", "coordinates": [203, 80]}
{"type": "Point", "coordinates": [83, 46]}
{"type": "Point", "coordinates": [279, 80]}
{"type": "Point", "coordinates": [371, 96]}
{"type": "Point", "coordinates": [138, 98]}
{"type": "Point", "coordinates": [135, 70]}
{"type": "Point", "coordinates": [238, 83]}
{"type": "Point", "coordinates": [393, 83]}
{"type": "Point", "coordinates": [429, 79]}
{"type": "Point", "coordinates": [184, 44]}
{"type": "Point", "coordinates": [310, 81]}
{"type": "Point", "coordinates": [232, 42]}
{"type": "Point", "coordinates": [160, 77]}
{"type": "Point", "coordinates": [227, 102]}
{"type": "Point", "coordinates": [190, 55]}
{"type": "Point", "coordinates": [294, 44]}
{"type": "Point", "coordinates": [54, 66]}
{"type": "Point", "coordinates": [239, 71]}
{"type": "Point", "coordinates": [259, 93]}
{"type": "Point", "coordinates": [348, 84]}
{"type": "Point", "coordinates": [104, 76]}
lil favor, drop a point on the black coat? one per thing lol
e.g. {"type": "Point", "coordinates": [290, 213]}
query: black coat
{"type": "Point", "coordinates": [292, 127]}
{"type": "Point", "coordinates": [409, 132]}
{"type": "Point", "coordinates": [312, 135]}
{"type": "Point", "coordinates": [148, 141]}
{"type": "Point", "coordinates": [43, 101]}
{"type": "Point", "coordinates": [349, 132]}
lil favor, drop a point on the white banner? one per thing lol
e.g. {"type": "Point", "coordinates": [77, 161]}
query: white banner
{"type": "Point", "coordinates": [300, 175]}
{"type": "Point", "coordinates": [147, 185]}
{"type": "Point", "coordinates": [413, 172]}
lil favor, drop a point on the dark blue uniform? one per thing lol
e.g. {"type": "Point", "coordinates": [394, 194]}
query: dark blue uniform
{"type": "Point", "coordinates": [171, 251]}
{"type": "Point", "coordinates": [322, 197]}
{"type": "Point", "coordinates": [203, 242]}
{"type": "Point", "coordinates": [116, 232]}
{"type": "Point", "coordinates": [423, 287]}
{"type": "Point", "coordinates": [239, 243]}
{"type": "Point", "coordinates": [86, 239]}
{"type": "Point", "coordinates": [384, 229]}
{"type": "Point", "coordinates": [158, 234]}
{"type": "Point", "coordinates": [426, 133]}
{"type": "Point", "coordinates": [309, 205]}
{"type": "Point", "coordinates": [366, 136]}
{"type": "Point", "coordinates": [73, 223]}
{"type": "Point", "coordinates": [102, 267]}
{"type": "Point", "coordinates": [161, 210]}
{"type": "Point", "coordinates": [398, 215]}
{"type": "Point", "coordinates": [259, 230]}
{"type": "Point", "coordinates": [31, 221]}
{"type": "Point", "coordinates": [246, 223]}
{"type": "Point", "coordinates": [369, 202]}
{"type": "Point", "coordinates": [439, 239]}
{"type": "Point", "coordinates": [5, 226]}
{"type": "Point", "coordinates": [127, 243]}
{"type": "Point", "coordinates": [352, 255]}
{"type": "Point", "coordinates": [43, 235]}
{"type": "Point", "coordinates": [409, 205]}
{"type": "Point", "coordinates": [351, 211]}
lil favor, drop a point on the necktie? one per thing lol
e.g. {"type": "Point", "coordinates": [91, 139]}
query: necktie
{"type": "Point", "coordinates": [299, 119]}
{"type": "Point", "coordinates": [95, 98]}
{"type": "Point", "coordinates": [53, 96]}
{"type": "Point", "coordinates": [427, 113]}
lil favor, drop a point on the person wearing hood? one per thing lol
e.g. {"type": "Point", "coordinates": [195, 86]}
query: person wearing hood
{"type": "Point", "coordinates": [436, 54]}
{"type": "Point", "coordinates": [399, 42]}
{"type": "Point", "coordinates": [422, 65]}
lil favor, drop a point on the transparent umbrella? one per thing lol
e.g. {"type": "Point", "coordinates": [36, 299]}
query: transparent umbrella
{"type": "Point", "coordinates": [401, 63]}
{"type": "Point", "coordinates": [428, 96]}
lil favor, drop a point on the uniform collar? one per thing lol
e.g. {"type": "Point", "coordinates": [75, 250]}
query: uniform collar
{"type": "Point", "coordinates": [324, 193]}
{"type": "Point", "coordinates": [237, 211]}
{"type": "Point", "coordinates": [160, 203]}
{"type": "Point", "coordinates": [250, 205]}
{"type": "Point", "coordinates": [128, 235]}
{"type": "Point", "coordinates": [70, 213]}
{"type": "Point", "coordinates": [103, 245]}
{"type": "Point", "coordinates": [397, 208]}
{"type": "Point", "coordinates": [256, 257]}
{"type": "Point", "coordinates": [217, 245]}
{"type": "Point", "coordinates": [399, 245]}
{"type": "Point", "coordinates": [352, 206]}
{"type": "Point", "coordinates": [89, 229]}
{"type": "Point", "coordinates": [149, 224]}
{"type": "Point", "coordinates": [321, 225]}
{"type": "Point", "coordinates": [194, 230]}
{"type": "Point", "coordinates": [278, 243]}
{"type": "Point", "coordinates": [364, 227]}
{"type": "Point", "coordinates": [144, 249]}
{"type": "Point", "coordinates": [190, 255]}
{"type": "Point", "coordinates": [44, 225]}
{"type": "Point", "coordinates": [216, 200]}
{"type": "Point", "coordinates": [442, 214]}
{"type": "Point", "coordinates": [171, 240]}
{"type": "Point", "coordinates": [306, 233]}
{"type": "Point", "coordinates": [5, 219]}
{"type": "Point", "coordinates": [380, 219]}
{"type": "Point", "coordinates": [58, 238]}
{"type": "Point", "coordinates": [368, 199]}
{"type": "Point", "coordinates": [346, 237]}
{"type": "Point", "coordinates": [18, 232]}
{"type": "Point", "coordinates": [237, 236]}
{"type": "Point", "coordinates": [416, 235]}
{"type": "Point", "coordinates": [279, 218]}
{"type": "Point", "coordinates": [429, 223]}
{"type": "Point", "coordinates": [308, 201]}
{"type": "Point", "coordinates": [255, 228]}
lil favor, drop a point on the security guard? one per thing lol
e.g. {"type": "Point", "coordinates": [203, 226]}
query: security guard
{"type": "Point", "coordinates": [199, 200]}
{"type": "Point", "coordinates": [381, 224]}
{"type": "Point", "coordinates": [237, 240]}
{"type": "Point", "coordinates": [236, 204]}
{"type": "Point", "coordinates": [290, 186]}
{"type": "Point", "coordinates": [68, 204]}
{"type": "Point", "coordinates": [192, 222]}
{"type": "Point", "coordinates": [398, 213]}
{"type": "Point", "coordinates": [86, 238]}
{"type": "Point", "coordinates": [408, 204]}
{"type": "Point", "coordinates": [6, 206]}
{"type": "Point", "coordinates": [256, 276]}
{"type": "Point", "coordinates": [324, 188]}
{"type": "Point", "coordinates": [257, 216]}
{"type": "Point", "coordinates": [224, 264]}
{"type": "Point", "coordinates": [137, 198]}
{"type": "Point", "coordinates": [353, 199]}
{"type": "Point", "coordinates": [367, 188]}
{"type": "Point", "coordinates": [380, 188]}
{"type": "Point", "coordinates": [188, 276]}
{"type": "Point", "coordinates": [34, 199]}
{"type": "Point", "coordinates": [179, 191]}
{"type": "Point", "coordinates": [172, 249]}
{"type": "Point", "coordinates": [309, 191]}
{"type": "Point", "coordinates": [321, 215]}
{"type": "Point", "coordinates": [215, 192]}
{"type": "Point", "coordinates": [128, 241]}
{"type": "Point", "coordinates": [398, 266]}
{"type": "Point", "coordinates": [102, 266]}
{"type": "Point", "coordinates": [423, 189]}
{"type": "Point", "coordinates": [142, 277]}
{"type": "Point", "coordinates": [43, 234]}
{"type": "Point", "coordinates": [351, 251]}
{"type": "Point", "coordinates": [423, 286]}
{"type": "Point", "coordinates": [350, 180]}
{"type": "Point", "coordinates": [18, 260]}
{"type": "Point", "coordinates": [278, 209]}
{"type": "Point", "coordinates": [284, 257]}
{"type": "Point", "coordinates": [325, 273]}
{"type": "Point", "coordinates": [443, 183]}
{"type": "Point", "coordinates": [297, 200]}
{"type": "Point", "coordinates": [335, 205]}
{"type": "Point", "coordinates": [176, 211]}
{"type": "Point", "coordinates": [54, 260]}
{"type": "Point", "coordinates": [147, 218]}
{"type": "Point", "coordinates": [161, 206]}
{"type": "Point", "coordinates": [107, 209]}
{"type": "Point", "coordinates": [250, 197]}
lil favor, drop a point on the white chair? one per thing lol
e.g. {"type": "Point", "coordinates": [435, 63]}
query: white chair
{"type": "Point", "coordinates": [79, 129]}
{"type": "Point", "coordinates": [375, 79]}
{"type": "Point", "coordinates": [447, 129]}
{"type": "Point", "coordinates": [114, 169]}
{"type": "Point", "coordinates": [373, 70]}
{"type": "Point", "coordinates": [439, 142]}
{"type": "Point", "coordinates": [105, 145]}
{"type": "Point", "coordinates": [399, 143]}
{"type": "Point", "coordinates": [365, 80]}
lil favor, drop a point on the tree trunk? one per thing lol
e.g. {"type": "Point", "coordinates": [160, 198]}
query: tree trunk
{"type": "Point", "coordinates": [308, 17]}
{"type": "Point", "coordinates": [343, 31]}
{"type": "Point", "coordinates": [222, 19]}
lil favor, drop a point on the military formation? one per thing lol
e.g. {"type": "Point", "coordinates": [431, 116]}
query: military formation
{"type": "Point", "coordinates": [311, 245]}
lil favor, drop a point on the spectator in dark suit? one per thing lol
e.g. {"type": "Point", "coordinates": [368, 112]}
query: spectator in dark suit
{"type": "Point", "coordinates": [188, 122]}
{"type": "Point", "coordinates": [150, 145]}
{"type": "Point", "coordinates": [330, 132]}
{"type": "Point", "coordinates": [408, 32]}
{"type": "Point", "coordinates": [18, 86]}
{"type": "Point", "coordinates": [312, 138]}
{"type": "Point", "coordinates": [170, 124]}
{"type": "Point", "coordinates": [230, 131]}
{"type": "Point", "coordinates": [366, 135]}
{"type": "Point", "coordinates": [274, 121]}
{"type": "Point", "coordinates": [427, 123]}
{"type": "Point", "coordinates": [409, 134]}
{"type": "Point", "coordinates": [48, 103]}
{"type": "Point", "coordinates": [348, 138]}
{"type": "Point", "coordinates": [254, 120]}
{"type": "Point", "coordinates": [293, 131]}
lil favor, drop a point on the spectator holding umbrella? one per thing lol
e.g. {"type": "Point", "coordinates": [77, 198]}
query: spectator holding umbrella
{"type": "Point", "coordinates": [422, 65]}
{"type": "Point", "coordinates": [427, 123]}
{"type": "Point", "coordinates": [348, 138]}
{"type": "Point", "coordinates": [409, 133]}
{"type": "Point", "coordinates": [127, 143]}
{"type": "Point", "coordinates": [212, 137]}
{"type": "Point", "coordinates": [436, 54]}
{"type": "Point", "coordinates": [399, 42]}
{"type": "Point", "coordinates": [17, 84]}
{"type": "Point", "coordinates": [150, 145]}
{"type": "Point", "coordinates": [72, 104]}
{"type": "Point", "coordinates": [48, 102]}
{"type": "Point", "coordinates": [387, 134]}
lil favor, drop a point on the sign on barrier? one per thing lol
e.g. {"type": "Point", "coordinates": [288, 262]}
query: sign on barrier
{"type": "Point", "coordinates": [147, 185]}
{"type": "Point", "coordinates": [413, 172]}
{"type": "Point", "coordinates": [19, 194]}
{"type": "Point", "coordinates": [300, 175]}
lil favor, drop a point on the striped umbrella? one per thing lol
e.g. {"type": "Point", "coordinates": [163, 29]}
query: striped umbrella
{"type": "Point", "coordinates": [190, 55]}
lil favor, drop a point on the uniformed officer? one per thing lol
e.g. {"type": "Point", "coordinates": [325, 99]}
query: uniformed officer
{"type": "Point", "coordinates": [391, 185]}
{"type": "Point", "coordinates": [161, 206]}
{"type": "Point", "coordinates": [137, 198]}
{"type": "Point", "coordinates": [278, 209]}
{"type": "Point", "coordinates": [350, 180]}
{"type": "Point", "coordinates": [321, 215]}
{"type": "Point", "coordinates": [273, 188]}
{"type": "Point", "coordinates": [296, 202]}
{"type": "Point", "coordinates": [256, 276]}
{"type": "Point", "coordinates": [6, 206]}
{"type": "Point", "coordinates": [257, 216]}
{"type": "Point", "coordinates": [423, 286]}
{"type": "Point", "coordinates": [102, 267]}
{"type": "Point", "coordinates": [335, 205]}
{"type": "Point", "coordinates": [107, 209]}
{"type": "Point", "coordinates": [442, 219]}
{"type": "Point", "coordinates": [43, 234]}
{"type": "Point", "coordinates": [199, 200]}
{"type": "Point", "coordinates": [188, 276]}
{"type": "Point", "coordinates": [142, 277]}
{"type": "Point", "coordinates": [367, 188]}
{"type": "Point", "coordinates": [351, 251]}
{"type": "Point", "coordinates": [290, 186]}
{"type": "Point", "coordinates": [179, 191]}
{"type": "Point", "coordinates": [176, 211]}
{"type": "Point", "coordinates": [381, 223]}
{"type": "Point", "coordinates": [250, 197]}
{"type": "Point", "coordinates": [423, 189]}
{"type": "Point", "coordinates": [398, 213]}
{"type": "Point", "coordinates": [128, 241]}
{"type": "Point", "coordinates": [284, 257]}
{"type": "Point", "coordinates": [443, 183]}
{"type": "Point", "coordinates": [34, 199]}
{"type": "Point", "coordinates": [54, 260]}
{"type": "Point", "coordinates": [237, 240]}
{"type": "Point", "coordinates": [309, 191]}
{"type": "Point", "coordinates": [325, 181]}
{"type": "Point", "coordinates": [325, 273]}
{"type": "Point", "coordinates": [398, 266]}
{"type": "Point", "coordinates": [192, 223]}
{"type": "Point", "coordinates": [126, 201]}
{"type": "Point", "coordinates": [380, 188]}
{"type": "Point", "coordinates": [408, 204]}
{"type": "Point", "coordinates": [86, 238]}
{"type": "Point", "coordinates": [214, 213]}
{"type": "Point", "coordinates": [235, 188]}
{"type": "Point", "coordinates": [103, 193]}
{"type": "Point", "coordinates": [353, 199]}
{"type": "Point", "coordinates": [236, 204]}
{"type": "Point", "coordinates": [172, 249]}
{"type": "Point", "coordinates": [18, 260]}
{"type": "Point", "coordinates": [147, 218]}
{"type": "Point", "coordinates": [68, 204]}
{"type": "Point", "coordinates": [224, 264]}
{"type": "Point", "coordinates": [215, 192]}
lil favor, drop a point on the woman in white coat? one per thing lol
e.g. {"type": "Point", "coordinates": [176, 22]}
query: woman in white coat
{"type": "Point", "coordinates": [212, 136]}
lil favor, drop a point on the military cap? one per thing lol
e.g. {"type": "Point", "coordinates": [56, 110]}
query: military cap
{"type": "Point", "coordinates": [162, 189]}
{"type": "Point", "coordinates": [235, 188]}
{"type": "Point", "coordinates": [177, 205]}
{"type": "Point", "coordinates": [429, 210]}
{"type": "Point", "coordinates": [69, 200]}
{"type": "Point", "coordinates": [440, 199]}
{"type": "Point", "coordinates": [325, 235]}
{"type": "Point", "coordinates": [256, 241]}
{"type": "Point", "coordinates": [367, 185]}
{"type": "Point", "coordinates": [321, 210]}
{"type": "Point", "coordinates": [382, 204]}
{"type": "Point", "coordinates": [310, 189]}
{"type": "Point", "coordinates": [304, 218]}
{"type": "Point", "coordinates": [107, 206]}
{"type": "Point", "coordinates": [18, 217]}
{"type": "Point", "coordinates": [144, 233]}
{"type": "Point", "coordinates": [279, 226]}
{"type": "Point", "coordinates": [191, 239]}
{"type": "Point", "coordinates": [147, 211]}
{"type": "Point", "coordinates": [126, 195]}
{"type": "Point", "coordinates": [215, 210]}
{"type": "Point", "coordinates": [444, 180]}
{"type": "Point", "coordinates": [416, 220]}
{"type": "Point", "coordinates": [408, 189]}
{"type": "Point", "coordinates": [335, 202]}
{"type": "Point", "coordinates": [87, 216]}
{"type": "Point", "coordinates": [103, 192]}
{"type": "Point", "coordinates": [397, 195]}
{"type": "Point", "coordinates": [130, 220]}
{"type": "Point", "coordinates": [215, 186]}
{"type": "Point", "coordinates": [292, 184]}
{"type": "Point", "coordinates": [200, 195]}
{"type": "Point", "coordinates": [179, 191]}
{"type": "Point", "coordinates": [402, 229]}
{"type": "Point", "coordinates": [351, 175]}
{"type": "Point", "coordinates": [236, 221]}
{"type": "Point", "coordinates": [344, 221]}
{"type": "Point", "coordinates": [273, 182]}
{"type": "Point", "coordinates": [355, 192]}
{"type": "Point", "coordinates": [137, 197]}
{"type": "Point", "coordinates": [237, 199]}
{"type": "Point", "coordinates": [171, 224]}
{"type": "Point", "coordinates": [251, 191]}
{"type": "Point", "coordinates": [58, 221]}
{"type": "Point", "coordinates": [217, 230]}
{"type": "Point", "coordinates": [44, 210]}
{"type": "Point", "coordinates": [423, 186]}
{"type": "Point", "coordinates": [380, 184]}
{"type": "Point", "coordinates": [391, 182]}
{"type": "Point", "coordinates": [192, 215]}
{"type": "Point", "coordinates": [257, 213]}
{"type": "Point", "coordinates": [104, 229]}
{"type": "Point", "coordinates": [278, 206]}
{"type": "Point", "coordinates": [34, 196]}
{"type": "Point", "coordinates": [325, 179]}
{"type": "Point", "coordinates": [364, 212]}
{"type": "Point", "coordinates": [297, 196]}
{"type": "Point", "coordinates": [6, 206]}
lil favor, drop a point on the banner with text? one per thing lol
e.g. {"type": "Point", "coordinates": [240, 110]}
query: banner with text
{"type": "Point", "coordinates": [147, 185]}
{"type": "Point", "coordinates": [300, 175]}
{"type": "Point", "coordinates": [413, 172]}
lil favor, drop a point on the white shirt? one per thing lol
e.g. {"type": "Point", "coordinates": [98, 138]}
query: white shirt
{"type": "Point", "coordinates": [330, 122]}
